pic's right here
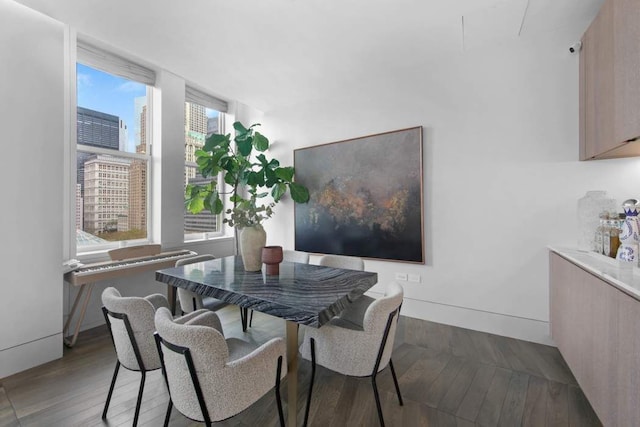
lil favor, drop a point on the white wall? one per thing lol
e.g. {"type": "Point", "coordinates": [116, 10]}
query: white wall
{"type": "Point", "coordinates": [501, 175]}
{"type": "Point", "coordinates": [31, 172]}
{"type": "Point", "coordinates": [501, 178]}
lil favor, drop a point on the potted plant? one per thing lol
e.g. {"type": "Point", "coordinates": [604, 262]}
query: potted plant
{"type": "Point", "coordinates": [250, 177]}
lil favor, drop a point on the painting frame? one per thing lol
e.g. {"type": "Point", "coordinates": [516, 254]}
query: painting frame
{"type": "Point", "coordinates": [366, 197]}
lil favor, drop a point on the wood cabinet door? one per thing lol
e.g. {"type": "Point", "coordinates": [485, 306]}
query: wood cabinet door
{"type": "Point", "coordinates": [595, 326]}
{"type": "Point", "coordinates": [628, 375]}
{"type": "Point", "coordinates": [626, 27]}
{"type": "Point", "coordinates": [598, 51]}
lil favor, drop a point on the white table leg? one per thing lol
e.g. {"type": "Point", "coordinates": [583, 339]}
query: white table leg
{"type": "Point", "coordinates": [292, 374]}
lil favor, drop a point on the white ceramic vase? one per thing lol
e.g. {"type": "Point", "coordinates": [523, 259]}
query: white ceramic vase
{"type": "Point", "coordinates": [630, 233]}
{"type": "Point", "coordinates": [252, 240]}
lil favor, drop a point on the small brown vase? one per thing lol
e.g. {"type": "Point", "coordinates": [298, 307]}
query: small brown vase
{"type": "Point", "coordinates": [272, 257]}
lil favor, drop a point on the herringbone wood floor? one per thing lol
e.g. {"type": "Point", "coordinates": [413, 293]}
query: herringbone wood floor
{"type": "Point", "coordinates": [448, 376]}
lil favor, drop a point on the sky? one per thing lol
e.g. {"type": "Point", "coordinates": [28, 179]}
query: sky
{"type": "Point", "coordinates": [110, 94]}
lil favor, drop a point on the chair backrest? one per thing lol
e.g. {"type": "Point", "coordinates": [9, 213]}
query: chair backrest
{"type": "Point", "coordinates": [139, 313]}
{"type": "Point", "coordinates": [341, 261]}
{"type": "Point", "coordinates": [208, 351]}
{"type": "Point", "coordinates": [194, 259]}
{"type": "Point", "coordinates": [134, 252]}
{"type": "Point", "coordinates": [230, 374]}
{"type": "Point", "coordinates": [190, 301]}
{"type": "Point", "coordinates": [295, 256]}
{"type": "Point", "coordinates": [381, 318]}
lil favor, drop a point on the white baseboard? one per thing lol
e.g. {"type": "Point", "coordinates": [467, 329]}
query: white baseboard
{"type": "Point", "coordinates": [28, 355]}
{"type": "Point", "coordinates": [494, 323]}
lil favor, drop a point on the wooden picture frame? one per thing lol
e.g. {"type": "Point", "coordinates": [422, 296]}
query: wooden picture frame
{"type": "Point", "coordinates": [366, 197]}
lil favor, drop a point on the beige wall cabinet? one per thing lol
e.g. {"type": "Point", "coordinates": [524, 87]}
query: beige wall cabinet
{"type": "Point", "coordinates": [610, 83]}
{"type": "Point", "coordinates": [596, 328]}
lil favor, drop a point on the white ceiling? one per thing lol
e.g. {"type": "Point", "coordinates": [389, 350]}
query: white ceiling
{"type": "Point", "coordinates": [276, 53]}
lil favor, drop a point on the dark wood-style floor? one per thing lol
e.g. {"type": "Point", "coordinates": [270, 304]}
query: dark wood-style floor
{"type": "Point", "coordinates": [448, 377]}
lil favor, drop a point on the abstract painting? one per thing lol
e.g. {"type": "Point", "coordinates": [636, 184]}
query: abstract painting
{"type": "Point", "coordinates": [366, 197]}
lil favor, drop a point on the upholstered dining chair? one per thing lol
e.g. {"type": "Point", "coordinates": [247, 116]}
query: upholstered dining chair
{"type": "Point", "coordinates": [295, 256]}
{"type": "Point", "coordinates": [190, 301]}
{"type": "Point", "coordinates": [131, 325]}
{"type": "Point", "coordinates": [361, 347]}
{"type": "Point", "coordinates": [211, 378]}
{"type": "Point", "coordinates": [342, 261]}
{"type": "Point", "coordinates": [359, 306]}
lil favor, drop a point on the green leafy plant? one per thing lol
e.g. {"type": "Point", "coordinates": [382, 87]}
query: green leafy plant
{"type": "Point", "coordinates": [243, 165]}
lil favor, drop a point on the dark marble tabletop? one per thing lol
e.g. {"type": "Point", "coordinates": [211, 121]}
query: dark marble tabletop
{"type": "Point", "coordinates": [303, 293]}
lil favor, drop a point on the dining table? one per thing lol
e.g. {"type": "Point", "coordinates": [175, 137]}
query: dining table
{"type": "Point", "coordinates": [301, 294]}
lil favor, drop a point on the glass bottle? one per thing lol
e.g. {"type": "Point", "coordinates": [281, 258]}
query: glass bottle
{"type": "Point", "coordinates": [599, 235]}
{"type": "Point", "coordinates": [614, 234]}
{"type": "Point", "coordinates": [606, 234]}
{"type": "Point", "coordinates": [589, 207]}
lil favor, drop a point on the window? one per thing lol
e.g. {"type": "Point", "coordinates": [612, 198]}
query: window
{"type": "Point", "coordinates": [203, 115]}
{"type": "Point", "coordinates": [113, 146]}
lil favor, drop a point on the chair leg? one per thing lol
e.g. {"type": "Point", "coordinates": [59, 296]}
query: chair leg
{"type": "Point", "coordinates": [312, 342]}
{"type": "Point", "coordinates": [168, 416]}
{"type": "Point", "coordinates": [139, 401]}
{"type": "Point", "coordinates": [385, 335]}
{"type": "Point", "coordinates": [278, 399]}
{"type": "Point", "coordinates": [395, 381]}
{"type": "Point", "coordinates": [375, 393]}
{"type": "Point", "coordinates": [251, 319]}
{"type": "Point", "coordinates": [113, 383]}
{"type": "Point", "coordinates": [243, 318]}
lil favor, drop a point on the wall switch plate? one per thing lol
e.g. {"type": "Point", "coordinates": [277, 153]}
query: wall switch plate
{"type": "Point", "coordinates": [414, 278]}
{"type": "Point", "coordinates": [401, 276]}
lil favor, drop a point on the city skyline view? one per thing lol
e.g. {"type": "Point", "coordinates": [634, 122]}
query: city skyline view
{"type": "Point", "coordinates": [111, 190]}
{"type": "Point", "coordinates": [107, 93]}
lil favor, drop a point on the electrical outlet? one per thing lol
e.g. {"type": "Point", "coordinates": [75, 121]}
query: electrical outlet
{"type": "Point", "coordinates": [401, 276]}
{"type": "Point", "coordinates": [414, 278]}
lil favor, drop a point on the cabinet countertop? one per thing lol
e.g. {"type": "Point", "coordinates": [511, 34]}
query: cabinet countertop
{"type": "Point", "coordinates": [623, 277]}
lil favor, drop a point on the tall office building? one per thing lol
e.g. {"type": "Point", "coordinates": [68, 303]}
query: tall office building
{"type": "Point", "coordinates": [98, 129]}
{"type": "Point", "coordinates": [140, 104]}
{"type": "Point", "coordinates": [79, 207]}
{"type": "Point", "coordinates": [106, 192]}
{"type": "Point", "coordinates": [95, 129]}
{"type": "Point", "coordinates": [196, 129]}
{"type": "Point", "coordinates": [138, 177]}
{"type": "Point", "coordinates": [123, 136]}
{"type": "Point", "coordinates": [195, 132]}
{"type": "Point", "coordinates": [213, 125]}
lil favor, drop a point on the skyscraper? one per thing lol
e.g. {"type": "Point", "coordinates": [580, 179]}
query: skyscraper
{"type": "Point", "coordinates": [95, 129]}
{"type": "Point", "coordinates": [138, 176]}
{"type": "Point", "coordinates": [195, 131]}
{"type": "Point", "coordinates": [98, 129]}
{"type": "Point", "coordinates": [79, 207]}
{"type": "Point", "coordinates": [140, 102]}
{"type": "Point", "coordinates": [123, 136]}
{"type": "Point", "coordinates": [212, 125]}
{"type": "Point", "coordinates": [106, 192]}
{"type": "Point", "coordinates": [196, 128]}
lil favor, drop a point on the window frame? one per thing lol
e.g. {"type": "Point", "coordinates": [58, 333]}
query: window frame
{"type": "Point", "coordinates": [147, 157]}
